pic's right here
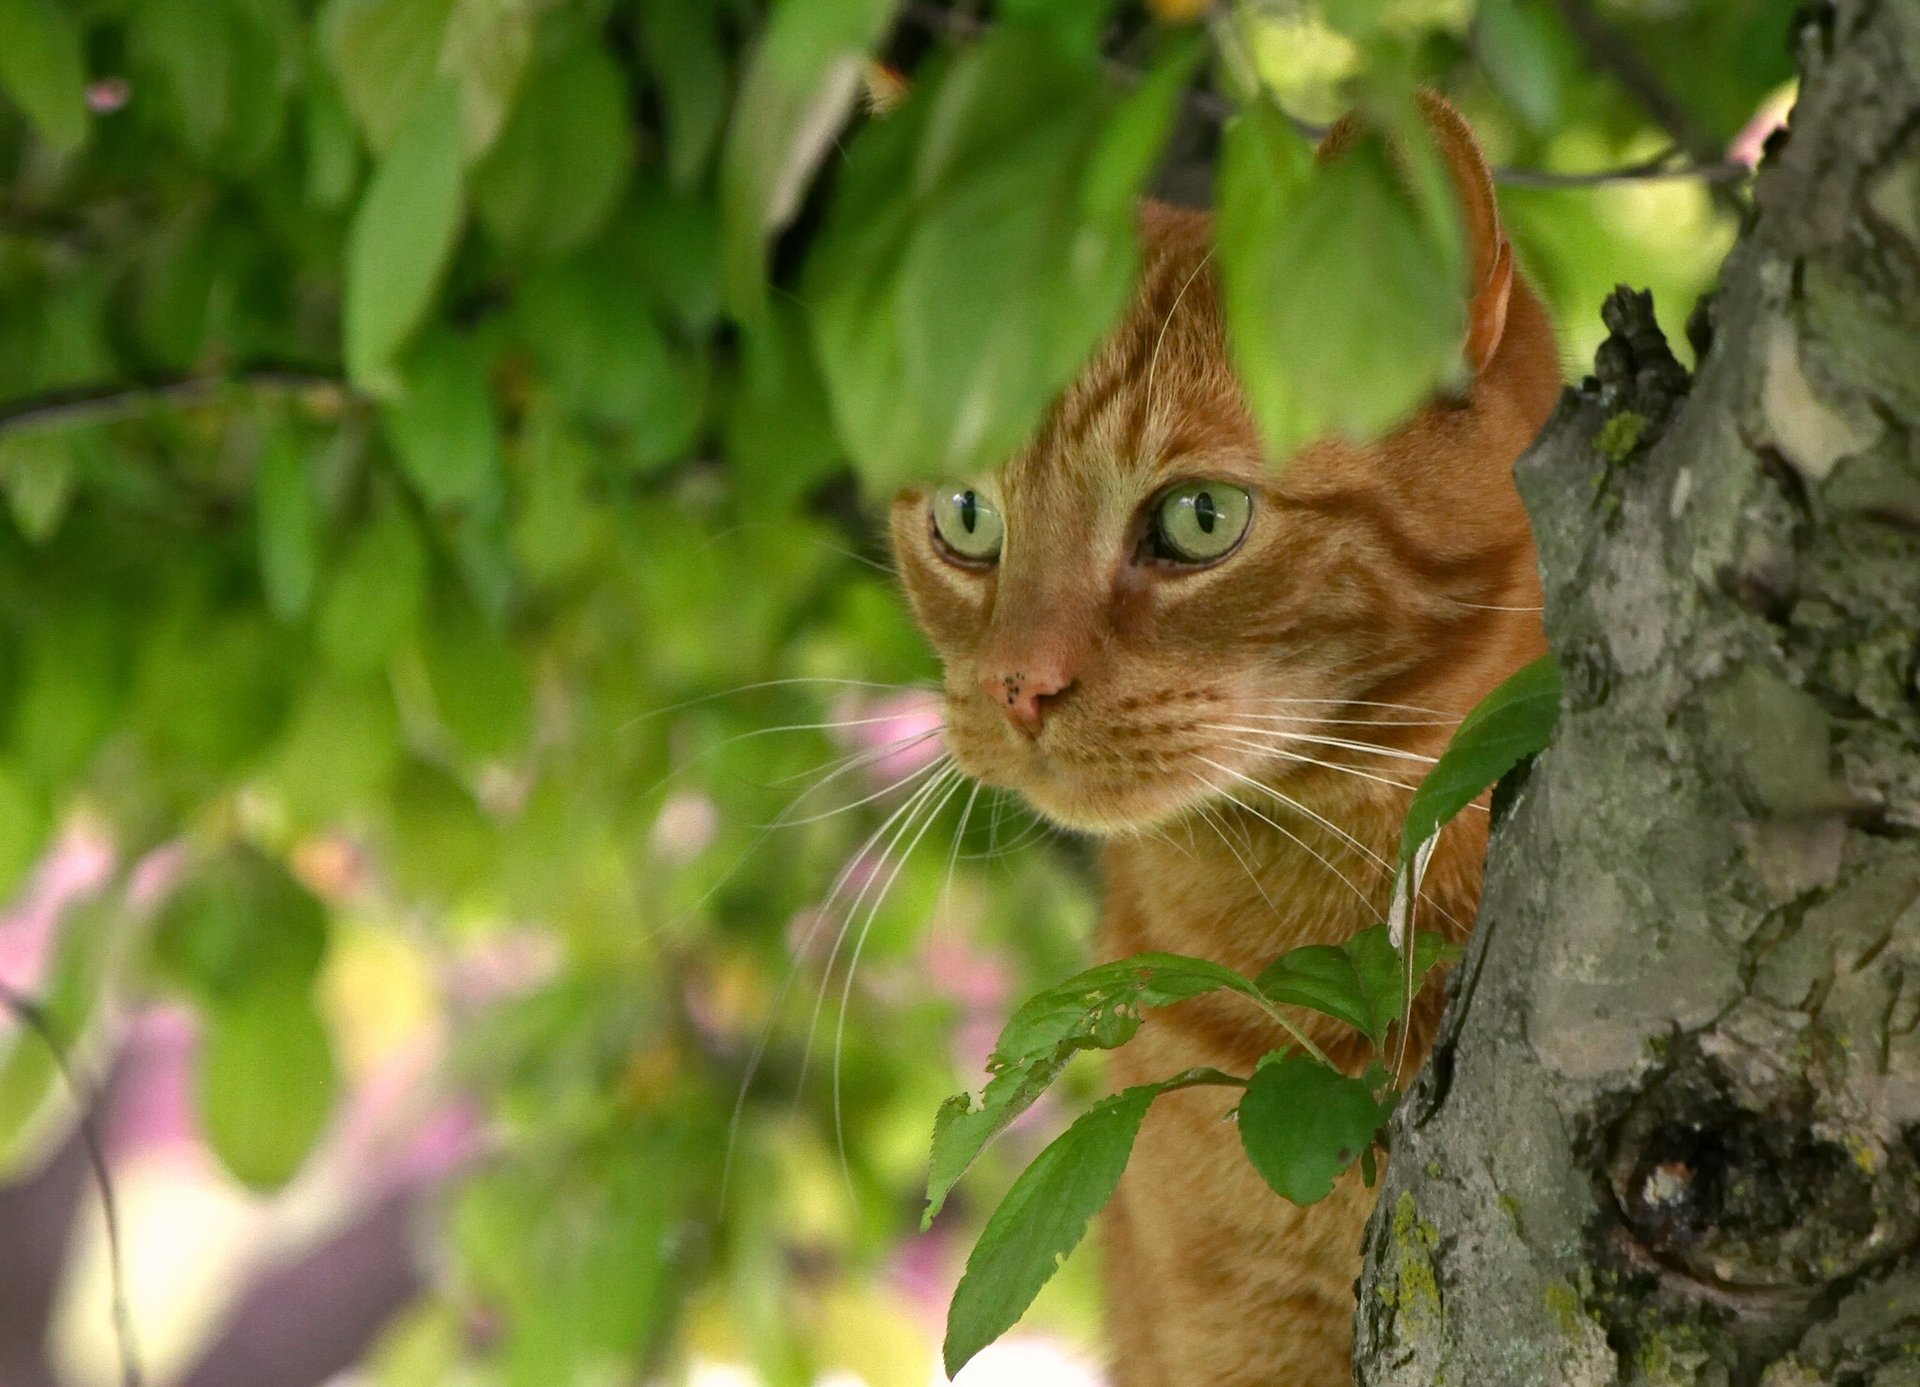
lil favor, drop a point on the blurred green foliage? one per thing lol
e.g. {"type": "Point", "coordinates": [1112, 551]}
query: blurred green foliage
{"type": "Point", "coordinates": [432, 436]}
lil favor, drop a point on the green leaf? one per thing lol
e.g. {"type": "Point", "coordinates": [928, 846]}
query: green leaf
{"type": "Point", "coordinates": [36, 471]}
{"type": "Point", "coordinates": [779, 430]}
{"type": "Point", "coordinates": [600, 344]}
{"type": "Point", "coordinates": [240, 923]}
{"type": "Point", "coordinates": [73, 691]}
{"type": "Point", "coordinates": [1042, 1219]}
{"type": "Point", "coordinates": [287, 524]}
{"type": "Point", "coordinates": [1510, 724]}
{"type": "Point", "coordinates": [43, 69]}
{"type": "Point", "coordinates": [981, 244]}
{"type": "Point", "coordinates": [266, 1083]}
{"type": "Point", "coordinates": [403, 236]}
{"type": "Point", "coordinates": [798, 90]}
{"type": "Point", "coordinates": [681, 39]}
{"type": "Point", "coordinates": [1302, 1124]}
{"type": "Point", "coordinates": [26, 819]}
{"type": "Point", "coordinates": [1362, 982]}
{"type": "Point", "coordinates": [1519, 45]}
{"type": "Point", "coordinates": [442, 424]}
{"type": "Point", "coordinates": [1345, 310]}
{"type": "Point", "coordinates": [375, 600]}
{"type": "Point", "coordinates": [186, 48]}
{"type": "Point", "coordinates": [563, 158]}
{"type": "Point", "coordinates": [1097, 1009]}
{"type": "Point", "coordinates": [478, 683]}
{"type": "Point", "coordinates": [385, 54]}
{"type": "Point", "coordinates": [489, 44]}
{"type": "Point", "coordinates": [330, 146]}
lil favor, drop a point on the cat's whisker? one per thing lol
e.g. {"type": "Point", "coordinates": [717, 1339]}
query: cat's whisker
{"type": "Point", "coordinates": [1212, 821]}
{"type": "Point", "coordinates": [1270, 749]}
{"type": "Point", "coordinates": [1314, 719]}
{"type": "Point", "coordinates": [882, 793]}
{"type": "Point", "coordinates": [1033, 831]}
{"type": "Point", "coordinates": [652, 713]}
{"type": "Point", "coordinates": [1339, 743]}
{"type": "Point", "coordinates": [1359, 703]}
{"type": "Point", "coordinates": [904, 817]}
{"type": "Point", "coordinates": [768, 1028]}
{"type": "Point", "coordinates": [784, 821]}
{"type": "Point", "coordinates": [853, 967]}
{"type": "Point", "coordinates": [1298, 841]}
{"type": "Point", "coordinates": [959, 836]}
{"type": "Point", "coordinates": [1381, 863]}
{"type": "Point", "coordinates": [1487, 606]}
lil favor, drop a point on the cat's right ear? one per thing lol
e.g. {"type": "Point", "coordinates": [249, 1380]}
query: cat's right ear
{"type": "Point", "coordinates": [1489, 255]}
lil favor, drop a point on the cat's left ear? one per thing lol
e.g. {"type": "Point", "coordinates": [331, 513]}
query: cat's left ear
{"type": "Point", "coordinates": [1489, 256]}
{"type": "Point", "coordinates": [1488, 253]}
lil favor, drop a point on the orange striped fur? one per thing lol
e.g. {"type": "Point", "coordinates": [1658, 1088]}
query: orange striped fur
{"type": "Point", "coordinates": [1376, 579]}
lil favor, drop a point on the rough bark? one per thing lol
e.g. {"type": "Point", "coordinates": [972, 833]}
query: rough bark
{"type": "Point", "coordinates": [1671, 1133]}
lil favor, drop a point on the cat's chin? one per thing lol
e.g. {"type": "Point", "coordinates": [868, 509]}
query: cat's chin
{"type": "Point", "coordinates": [1105, 812]}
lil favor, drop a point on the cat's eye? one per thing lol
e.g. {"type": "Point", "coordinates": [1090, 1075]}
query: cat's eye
{"type": "Point", "coordinates": [967, 524]}
{"type": "Point", "coordinates": [1198, 522]}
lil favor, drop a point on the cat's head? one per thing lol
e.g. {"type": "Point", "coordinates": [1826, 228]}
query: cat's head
{"type": "Point", "coordinates": [1136, 609]}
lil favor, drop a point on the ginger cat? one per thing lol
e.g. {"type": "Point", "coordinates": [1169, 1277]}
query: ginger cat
{"type": "Point", "coordinates": [1228, 672]}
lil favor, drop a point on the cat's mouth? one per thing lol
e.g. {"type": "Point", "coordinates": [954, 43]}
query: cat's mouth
{"type": "Point", "coordinates": [1103, 778]}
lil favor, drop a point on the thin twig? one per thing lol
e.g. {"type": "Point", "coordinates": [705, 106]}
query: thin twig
{"type": "Point", "coordinates": [1613, 52]}
{"type": "Point", "coordinates": [87, 403]}
{"type": "Point", "coordinates": [33, 1016]}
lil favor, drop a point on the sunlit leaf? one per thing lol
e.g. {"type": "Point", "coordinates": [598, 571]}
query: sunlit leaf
{"type": "Point", "coordinates": [403, 235]}
{"type": "Point", "coordinates": [1519, 43]}
{"type": "Point", "coordinates": [798, 90]}
{"type": "Point", "coordinates": [385, 54]}
{"type": "Point", "coordinates": [265, 1083]}
{"type": "Point", "coordinates": [42, 69]}
{"type": "Point", "coordinates": [1345, 312]}
{"type": "Point", "coordinates": [946, 321]}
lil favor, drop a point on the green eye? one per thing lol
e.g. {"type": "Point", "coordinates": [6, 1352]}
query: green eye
{"type": "Point", "coordinates": [1199, 522]}
{"type": "Point", "coordinates": [967, 523]}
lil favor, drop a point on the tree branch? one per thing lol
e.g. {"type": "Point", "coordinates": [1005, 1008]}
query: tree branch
{"type": "Point", "coordinates": [34, 1018]}
{"type": "Point", "coordinates": [94, 403]}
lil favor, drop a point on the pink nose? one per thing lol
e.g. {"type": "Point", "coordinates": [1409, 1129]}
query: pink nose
{"type": "Point", "coordinates": [1024, 695]}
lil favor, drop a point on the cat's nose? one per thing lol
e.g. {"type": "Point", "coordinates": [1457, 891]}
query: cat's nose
{"type": "Point", "coordinates": [1024, 695]}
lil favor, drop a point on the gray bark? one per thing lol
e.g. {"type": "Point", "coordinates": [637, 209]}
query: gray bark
{"type": "Point", "coordinates": [1671, 1133]}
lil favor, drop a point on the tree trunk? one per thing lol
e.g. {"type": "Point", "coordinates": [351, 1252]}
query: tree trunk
{"type": "Point", "coordinates": [1671, 1133]}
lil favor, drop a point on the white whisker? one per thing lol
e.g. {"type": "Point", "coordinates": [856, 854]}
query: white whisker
{"type": "Point", "coordinates": [652, 713]}
{"type": "Point", "coordinates": [1365, 899]}
{"type": "Point", "coordinates": [1268, 749]}
{"type": "Point", "coordinates": [853, 967]}
{"type": "Point", "coordinates": [765, 1038]}
{"type": "Point", "coordinates": [1339, 743]}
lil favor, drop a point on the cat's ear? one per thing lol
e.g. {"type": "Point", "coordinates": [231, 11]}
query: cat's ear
{"type": "Point", "coordinates": [1489, 256]}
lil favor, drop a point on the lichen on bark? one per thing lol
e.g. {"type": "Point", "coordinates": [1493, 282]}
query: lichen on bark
{"type": "Point", "coordinates": [1671, 1132]}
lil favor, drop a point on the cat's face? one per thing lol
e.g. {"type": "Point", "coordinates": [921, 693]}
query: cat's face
{"type": "Point", "coordinates": [1136, 610]}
